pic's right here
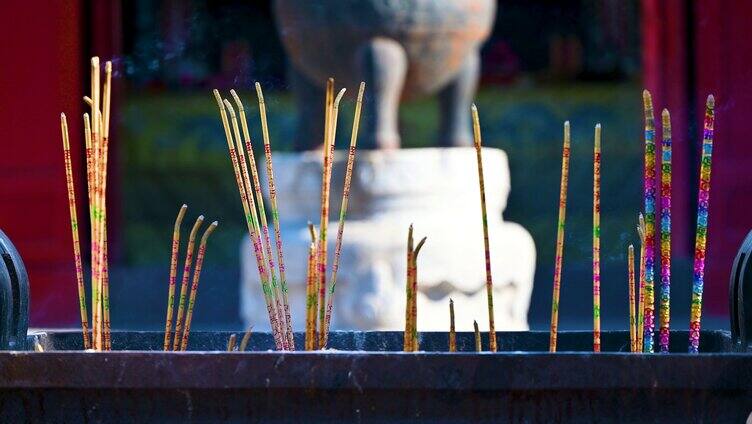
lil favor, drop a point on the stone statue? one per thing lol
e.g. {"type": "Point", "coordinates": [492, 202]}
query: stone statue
{"type": "Point", "coordinates": [400, 48]}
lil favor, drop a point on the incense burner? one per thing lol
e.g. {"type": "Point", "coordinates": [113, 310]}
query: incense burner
{"type": "Point", "coordinates": [401, 49]}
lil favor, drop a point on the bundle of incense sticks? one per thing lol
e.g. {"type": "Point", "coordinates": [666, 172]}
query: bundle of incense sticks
{"type": "Point", "coordinates": [411, 289]}
{"type": "Point", "coordinates": [184, 317]}
{"type": "Point", "coordinates": [277, 317]}
{"type": "Point", "coordinates": [484, 217]}
{"type": "Point", "coordinates": [560, 238]}
{"type": "Point", "coordinates": [96, 135]}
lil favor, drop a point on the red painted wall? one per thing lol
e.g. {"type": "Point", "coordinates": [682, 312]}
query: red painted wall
{"type": "Point", "coordinates": [33, 203]}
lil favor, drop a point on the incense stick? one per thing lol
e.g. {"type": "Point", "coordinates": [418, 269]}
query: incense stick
{"type": "Point", "coordinates": [641, 297]}
{"type": "Point", "coordinates": [184, 282]}
{"type": "Point", "coordinates": [407, 338]}
{"type": "Point", "coordinates": [343, 207]}
{"type": "Point", "coordinates": [321, 242]}
{"type": "Point", "coordinates": [74, 232]}
{"type": "Point", "coordinates": [665, 317]}
{"type": "Point", "coordinates": [275, 210]}
{"type": "Point", "coordinates": [105, 154]}
{"type": "Point", "coordinates": [316, 291]}
{"type": "Point", "coordinates": [96, 276]}
{"type": "Point", "coordinates": [91, 184]}
{"type": "Point", "coordinates": [452, 332]}
{"type": "Point", "coordinates": [311, 297]}
{"type": "Point", "coordinates": [194, 286]}
{"type": "Point", "coordinates": [231, 342]}
{"type": "Point", "coordinates": [414, 309]}
{"type": "Point", "coordinates": [327, 179]}
{"type": "Point", "coordinates": [649, 183]}
{"type": "Point", "coordinates": [271, 274]}
{"type": "Point", "coordinates": [489, 279]}
{"type": "Point", "coordinates": [701, 233]}
{"type": "Point", "coordinates": [478, 347]}
{"type": "Point", "coordinates": [251, 224]}
{"type": "Point", "coordinates": [173, 276]}
{"type": "Point", "coordinates": [631, 282]}
{"type": "Point", "coordinates": [597, 240]}
{"type": "Point", "coordinates": [560, 239]}
{"type": "Point", "coordinates": [246, 338]}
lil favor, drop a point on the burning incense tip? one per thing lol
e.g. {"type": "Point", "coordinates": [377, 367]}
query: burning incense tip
{"type": "Point", "coordinates": [339, 97]}
{"type": "Point", "coordinates": [647, 98]}
{"type": "Point", "coordinates": [711, 101]}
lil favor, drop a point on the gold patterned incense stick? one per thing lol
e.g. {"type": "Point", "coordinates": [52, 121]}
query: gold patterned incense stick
{"type": "Point", "coordinates": [311, 297]}
{"type": "Point", "coordinates": [275, 210]}
{"type": "Point", "coordinates": [486, 243]}
{"type": "Point", "coordinates": [74, 232]}
{"type": "Point", "coordinates": [632, 307]}
{"type": "Point", "coordinates": [414, 307]}
{"type": "Point", "coordinates": [194, 286]}
{"type": "Point", "coordinates": [407, 338]}
{"type": "Point", "coordinates": [452, 332]}
{"type": "Point", "coordinates": [173, 276]}
{"type": "Point", "coordinates": [478, 347]}
{"type": "Point", "coordinates": [560, 239]}
{"type": "Point", "coordinates": [343, 207]}
{"type": "Point", "coordinates": [597, 240]}
{"type": "Point", "coordinates": [246, 339]}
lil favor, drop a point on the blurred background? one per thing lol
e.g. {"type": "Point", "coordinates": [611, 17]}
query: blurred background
{"type": "Point", "coordinates": [586, 61]}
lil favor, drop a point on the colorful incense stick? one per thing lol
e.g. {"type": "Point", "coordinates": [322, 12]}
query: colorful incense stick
{"type": "Point", "coordinates": [74, 232]}
{"type": "Point", "coordinates": [311, 296]}
{"type": "Point", "coordinates": [343, 207]}
{"type": "Point", "coordinates": [560, 239]}
{"type": "Point", "coordinates": [649, 185]}
{"type": "Point", "coordinates": [632, 306]}
{"type": "Point", "coordinates": [275, 209]}
{"type": "Point", "coordinates": [597, 240]}
{"type": "Point", "coordinates": [91, 174]}
{"type": "Point", "coordinates": [194, 286]}
{"type": "Point", "coordinates": [316, 291]}
{"type": "Point", "coordinates": [478, 347]}
{"type": "Point", "coordinates": [173, 276]}
{"type": "Point", "coordinates": [251, 224]}
{"type": "Point", "coordinates": [701, 234]}
{"type": "Point", "coordinates": [665, 316]}
{"type": "Point", "coordinates": [259, 230]}
{"type": "Point", "coordinates": [407, 338]}
{"type": "Point", "coordinates": [486, 243]}
{"type": "Point", "coordinates": [452, 332]}
{"type": "Point", "coordinates": [321, 245]}
{"type": "Point", "coordinates": [184, 282]}
{"type": "Point", "coordinates": [641, 296]}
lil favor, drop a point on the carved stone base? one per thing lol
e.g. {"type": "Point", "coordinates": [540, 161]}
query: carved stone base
{"type": "Point", "coordinates": [436, 189]}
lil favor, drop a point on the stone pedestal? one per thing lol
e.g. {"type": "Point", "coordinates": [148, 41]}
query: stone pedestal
{"type": "Point", "coordinates": [436, 189]}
